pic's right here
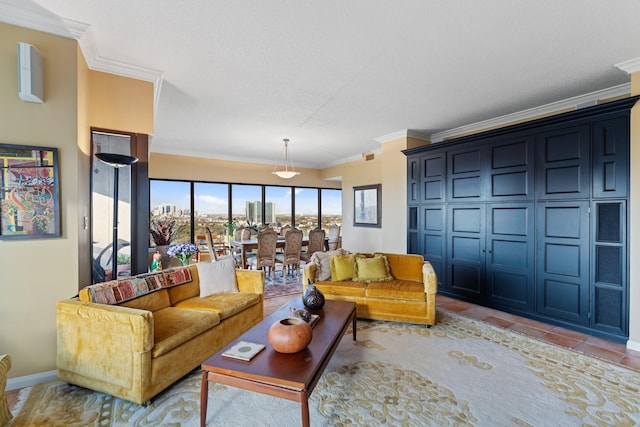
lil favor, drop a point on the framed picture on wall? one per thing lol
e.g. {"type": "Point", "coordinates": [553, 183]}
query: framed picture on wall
{"type": "Point", "coordinates": [367, 206]}
{"type": "Point", "coordinates": [29, 201]}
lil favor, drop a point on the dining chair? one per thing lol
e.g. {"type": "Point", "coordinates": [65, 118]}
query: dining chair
{"type": "Point", "coordinates": [240, 234]}
{"type": "Point", "coordinates": [204, 248]}
{"type": "Point", "coordinates": [290, 258]}
{"type": "Point", "coordinates": [265, 258]}
{"type": "Point", "coordinates": [316, 244]}
{"type": "Point", "coordinates": [284, 230]}
{"type": "Point", "coordinates": [334, 237]}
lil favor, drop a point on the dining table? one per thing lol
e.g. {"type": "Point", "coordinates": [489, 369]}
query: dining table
{"type": "Point", "coordinates": [248, 245]}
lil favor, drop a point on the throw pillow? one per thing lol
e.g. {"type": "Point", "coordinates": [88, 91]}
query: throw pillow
{"type": "Point", "coordinates": [217, 277]}
{"type": "Point", "coordinates": [321, 260]}
{"type": "Point", "coordinates": [342, 267]}
{"type": "Point", "coordinates": [374, 269]}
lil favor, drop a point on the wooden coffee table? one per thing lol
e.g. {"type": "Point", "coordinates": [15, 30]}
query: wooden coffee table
{"type": "Point", "coordinates": [288, 376]}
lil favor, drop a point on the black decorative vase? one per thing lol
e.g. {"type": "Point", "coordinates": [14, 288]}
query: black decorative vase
{"type": "Point", "coordinates": [312, 298]}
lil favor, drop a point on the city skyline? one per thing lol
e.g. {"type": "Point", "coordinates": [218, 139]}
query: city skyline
{"type": "Point", "coordinates": [212, 199]}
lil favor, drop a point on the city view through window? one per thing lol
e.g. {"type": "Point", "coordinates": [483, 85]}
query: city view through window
{"type": "Point", "coordinates": [210, 206]}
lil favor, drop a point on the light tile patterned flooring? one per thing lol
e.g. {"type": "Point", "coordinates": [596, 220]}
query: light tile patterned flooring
{"type": "Point", "coordinates": [598, 347]}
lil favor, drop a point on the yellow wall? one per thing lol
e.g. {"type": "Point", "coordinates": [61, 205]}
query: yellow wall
{"type": "Point", "coordinates": [36, 273]}
{"type": "Point", "coordinates": [169, 166]}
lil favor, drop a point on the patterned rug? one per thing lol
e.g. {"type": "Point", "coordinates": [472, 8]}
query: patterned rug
{"type": "Point", "coordinates": [287, 285]}
{"type": "Point", "coordinates": [461, 372]}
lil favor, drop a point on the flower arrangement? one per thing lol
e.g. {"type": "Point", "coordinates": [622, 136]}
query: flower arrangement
{"type": "Point", "coordinates": [183, 252]}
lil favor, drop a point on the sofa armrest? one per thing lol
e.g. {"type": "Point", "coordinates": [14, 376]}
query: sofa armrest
{"type": "Point", "coordinates": [250, 280]}
{"type": "Point", "coordinates": [90, 327]}
{"type": "Point", "coordinates": [309, 274]}
{"type": "Point", "coordinates": [429, 279]}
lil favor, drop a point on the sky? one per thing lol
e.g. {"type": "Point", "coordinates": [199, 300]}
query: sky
{"type": "Point", "coordinates": [212, 198]}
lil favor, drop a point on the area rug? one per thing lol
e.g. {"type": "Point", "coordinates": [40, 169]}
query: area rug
{"type": "Point", "coordinates": [461, 372]}
{"type": "Point", "coordinates": [282, 285]}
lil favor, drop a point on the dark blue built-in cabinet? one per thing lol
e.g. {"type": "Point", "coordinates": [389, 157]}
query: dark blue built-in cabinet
{"type": "Point", "coordinates": [531, 219]}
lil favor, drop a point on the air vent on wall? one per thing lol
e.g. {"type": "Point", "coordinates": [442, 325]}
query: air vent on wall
{"type": "Point", "coordinates": [369, 156]}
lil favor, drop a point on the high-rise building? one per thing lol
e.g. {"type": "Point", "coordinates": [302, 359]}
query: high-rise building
{"type": "Point", "coordinates": [254, 212]}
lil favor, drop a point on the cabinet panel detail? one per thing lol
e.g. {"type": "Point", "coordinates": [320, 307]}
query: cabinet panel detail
{"type": "Point", "coordinates": [510, 220]}
{"type": "Point", "coordinates": [468, 161]}
{"type": "Point", "coordinates": [562, 221]}
{"type": "Point", "coordinates": [562, 300]}
{"type": "Point", "coordinates": [610, 157]}
{"type": "Point", "coordinates": [509, 184]}
{"type": "Point", "coordinates": [562, 260]}
{"type": "Point", "coordinates": [608, 265]}
{"type": "Point", "coordinates": [466, 187]}
{"type": "Point", "coordinates": [609, 313]}
{"type": "Point", "coordinates": [466, 219]}
{"type": "Point", "coordinates": [564, 163]}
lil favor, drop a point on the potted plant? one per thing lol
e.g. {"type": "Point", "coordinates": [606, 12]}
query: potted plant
{"type": "Point", "coordinates": [163, 231]}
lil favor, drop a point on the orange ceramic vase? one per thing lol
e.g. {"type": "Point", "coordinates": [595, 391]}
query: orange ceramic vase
{"type": "Point", "coordinates": [290, 335]}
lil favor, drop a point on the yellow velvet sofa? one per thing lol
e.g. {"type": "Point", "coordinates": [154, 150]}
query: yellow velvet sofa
{"type": "Point", "coordinates": [408, 295]}
{"type": "Point", "coordinates": [136, 348]}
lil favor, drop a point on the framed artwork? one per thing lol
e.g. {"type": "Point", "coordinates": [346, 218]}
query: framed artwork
{"type": "Point", "coordinates": [367, 206]}
{"type": "Point", "coordinates": [29, 201]}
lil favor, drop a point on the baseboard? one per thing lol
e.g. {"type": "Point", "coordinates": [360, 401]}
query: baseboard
{"type": "Point", "coordinates": [30, 380]}
{"type": "Point", "coordinates": [633, 345]}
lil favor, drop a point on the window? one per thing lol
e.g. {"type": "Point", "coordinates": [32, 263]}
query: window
{"type": "Point", "coordinates": [278, 206]}
{"type": "Point", "coordinates": [196, 205]}
{"type": "Point", "coordinates": [171, 200]}
{"type": "Point", "coordinates": [331, 205]}
{"type": "Point", "coordinates": [306, 202]}
{"type": "Point", "coordinates": [211, 208]}
{"type": "Point", "coordinates": [246, 205]}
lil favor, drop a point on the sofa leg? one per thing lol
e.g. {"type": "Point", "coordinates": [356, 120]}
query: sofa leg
{"type": "Point", "coordinates": [147, 403]}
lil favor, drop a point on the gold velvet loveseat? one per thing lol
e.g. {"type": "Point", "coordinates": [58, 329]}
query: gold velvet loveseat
{"type": "Point", "coordinates": [404, 291]}
{"type": "Point", "coordinates": [150, 330]}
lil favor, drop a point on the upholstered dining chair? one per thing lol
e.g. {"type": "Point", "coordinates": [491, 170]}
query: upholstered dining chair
{"type": "Point", "coordinates": [265, 258]}
{"type": "Point", "coordinates": [242, 233]}
{"type": "Point", "coordinates": [333, 236]}
{"type": "Point", "coordinates": [5, 413]}
{"type": "Point", "coordinates": [316, 244]}
{"type": "Point", "coordinates": [290, 258]}
{"type": "Point", "coordinates": [284, 230]}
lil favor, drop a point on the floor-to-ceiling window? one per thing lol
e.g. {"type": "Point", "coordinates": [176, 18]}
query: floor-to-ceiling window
{"type": "Point", "coordinates": [193, 205]}
{"type": "Point", "coordinates": [278, 206]}
{"type": "Point", "coordinates": [306, 206]}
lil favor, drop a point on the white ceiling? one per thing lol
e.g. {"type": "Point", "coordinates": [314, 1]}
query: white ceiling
{"type": "Point", "coordinates": [234, 78]}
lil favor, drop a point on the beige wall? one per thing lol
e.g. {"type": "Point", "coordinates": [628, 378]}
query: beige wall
{"type": "Point", "coordinates": [36, 273]}
{"type": "Point", "coordinates": [169, 166]}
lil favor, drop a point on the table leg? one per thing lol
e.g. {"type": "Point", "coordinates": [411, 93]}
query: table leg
{"type": "Point", "coordinates": [204, 397]}
{"type": "Point", "coordinates": [244, 257]}
{"type": "Point", "coordinates": [353, 326]}
{"type": "Point", "coordinates": [304, 403]}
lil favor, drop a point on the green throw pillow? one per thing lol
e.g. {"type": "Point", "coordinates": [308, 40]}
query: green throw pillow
{"type": "Point", "coordinates": [374, 269]}
{"type": "Point", "coordinates": [341, 267]}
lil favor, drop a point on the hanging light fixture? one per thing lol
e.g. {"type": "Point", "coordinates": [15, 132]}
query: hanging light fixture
{"type": "Point", "coordinates": [289, 171]}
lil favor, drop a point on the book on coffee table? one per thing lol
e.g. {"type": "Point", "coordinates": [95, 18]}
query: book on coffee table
{"type": "Point", "coordinates": [244, 350]}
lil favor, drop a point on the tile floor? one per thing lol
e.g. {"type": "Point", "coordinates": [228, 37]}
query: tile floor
{"type": "Point", "coordinates": [604, 349]}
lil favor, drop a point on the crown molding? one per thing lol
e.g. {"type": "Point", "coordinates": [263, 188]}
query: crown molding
{"type": "Point", "coordinates": [631, 66]}
{"type": "Point", "coordinates": [570, 103]}
{"type": "Point", "coordinates": [404, 133]}
{"type": "Point", "coordinates": [81, 32]}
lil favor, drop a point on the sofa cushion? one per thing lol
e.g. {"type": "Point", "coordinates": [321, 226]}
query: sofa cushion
{"type": "Point", "coordinates": [342, 267]}
{"type": "Point", "coordinates": [396, 289]}
{"type": "Point", "coordinates": [322, 262]}
{"type": "Point", "coordinates": [405, 266]}
{"type": "Point", "coordinates": [225, 305]}
{"type": "Point", "coordinates": [153, 301]}
{"type": "Point", "coordinates": [374, 269]}
{"type": "Point", "coordinates": [342, 288]}
{"type": "Point", "coordinates": [174, 326]}
{"type": "Point", "coordinates": [217, 277]}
